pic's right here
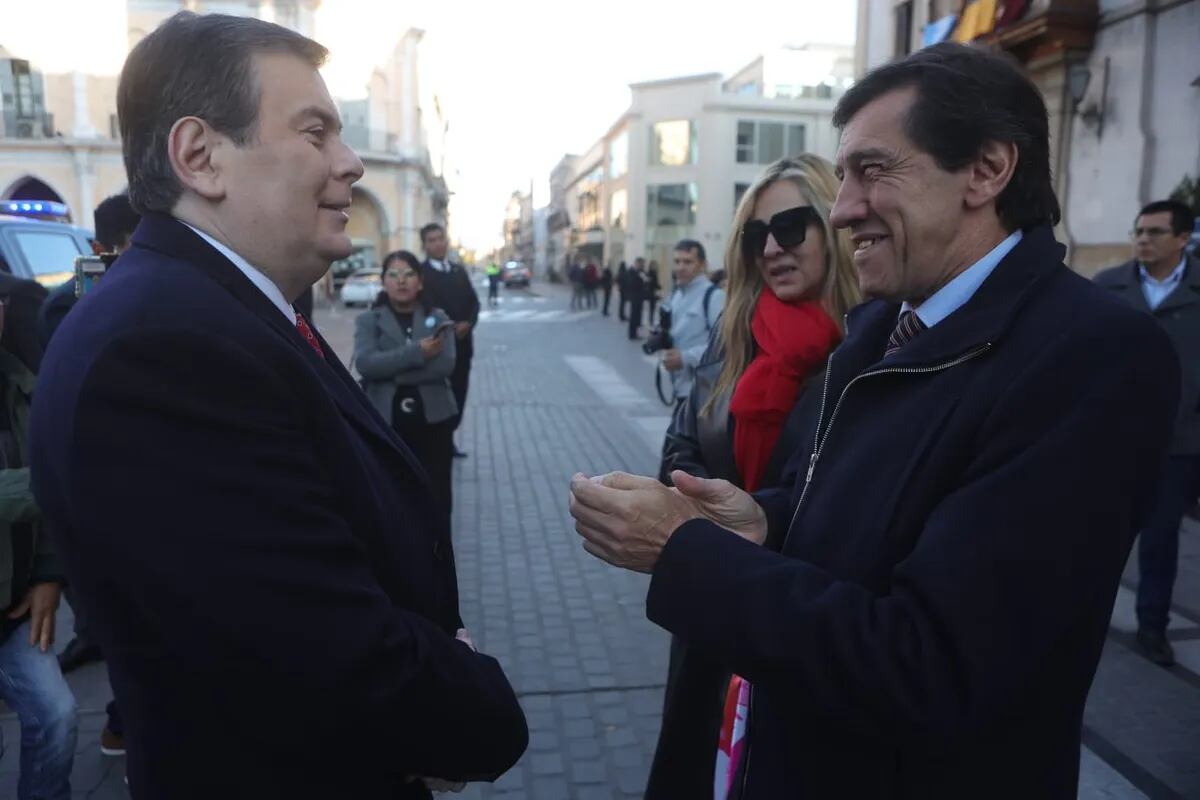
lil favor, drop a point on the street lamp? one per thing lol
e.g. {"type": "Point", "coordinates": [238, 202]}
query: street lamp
{"type": "Point", "coordinates": [1078, 79]}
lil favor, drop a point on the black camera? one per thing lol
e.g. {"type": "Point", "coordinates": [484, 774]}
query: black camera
{"type": "Point", "coordinates": [660, 337]}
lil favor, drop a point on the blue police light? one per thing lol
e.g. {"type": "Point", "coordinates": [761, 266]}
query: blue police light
{"type": "Point", "coordinates": [44, 209]}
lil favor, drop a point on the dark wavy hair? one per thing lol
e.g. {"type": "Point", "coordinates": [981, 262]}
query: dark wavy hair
{"type": "Point", "coordinates": [388, 260]}
{"type": "Point", "coordinates": [967, 97]}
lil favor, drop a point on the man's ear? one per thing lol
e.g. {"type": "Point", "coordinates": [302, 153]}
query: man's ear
{"type": "Point", "coordinates": [190, 148]}
{"type": "Point", "coordinates": [990, 173]}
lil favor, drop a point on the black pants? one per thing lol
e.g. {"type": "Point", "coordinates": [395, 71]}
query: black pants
{"type": "Point", "coordinates": [433, 445]}
{"type": "Point", "coordinates": [607, 298]}
{"type": "Point", "coordinates": [635, 317]}
{"type": "Point", "coordinates": [1158, 543]}
{"type": "Point", "coordinates": [460, 379]}
{"type": "Point", "coordinates": [621, 303]}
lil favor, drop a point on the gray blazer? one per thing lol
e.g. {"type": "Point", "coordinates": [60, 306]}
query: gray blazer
{"type": "Point", "coordinates": [386, 359]}
{"type": "Point", "coordinates": [1179, 315]}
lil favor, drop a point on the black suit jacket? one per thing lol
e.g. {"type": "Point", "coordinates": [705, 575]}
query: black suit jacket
{"type": "Point", "coordinates": [950, 552]}
{"type": "Point", "coordinates": [257, 550]}
{"type": "Point", "coordinates": [453, 293]}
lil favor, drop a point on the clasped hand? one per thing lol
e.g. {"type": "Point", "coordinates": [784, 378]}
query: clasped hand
{"type": "Point", "coordinates": [627, 520]}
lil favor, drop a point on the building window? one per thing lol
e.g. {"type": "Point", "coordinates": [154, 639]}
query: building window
{"type": "Point", "coordinates": [767, 142]}
{"type": "Point", "coordinates": [23, 80]}
{"type": "Point", "coordinates": [673, 143]}
{"type": "Point", "coordinates": [670, 211]}
{"type": "Point", "coordinates": [739, 191]}
{"type": "Point", "coordinates": [618, 208]}
{"type": "Point", "coordinates": [904, 28]}
{"type": "Point", "coordinates": [618, 155]}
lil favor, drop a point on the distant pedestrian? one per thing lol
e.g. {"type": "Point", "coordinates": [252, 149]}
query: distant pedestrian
{"type": "Point", "coordinates": [448, 286]}
{"type": "Point", "coordinates": [653, 290]}
{"type": "Point", "coordinates": [591, 280]}
{"type": "Point", "coordinates": [493, 276]}
{"type": "Point", "coordinates": [575, 276]}
{"type": "Point", "coordinates": [622, 281]}
{"type": "Point", "coordinates": [606, 284]}
{"type": "Point", "coordinates": [636, 285]}
{"type": "Point", "coordinates": [404, 351]}
{"type": "Point", "coordinates": [1163, 281]}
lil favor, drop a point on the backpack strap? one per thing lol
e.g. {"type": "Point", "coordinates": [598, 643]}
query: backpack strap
{"type": "Point", "coordinates": [708, 293]}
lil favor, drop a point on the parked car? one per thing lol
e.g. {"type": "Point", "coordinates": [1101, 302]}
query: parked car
{"type": "Point", "coordinates": [361, 288]}
{"type": "Point", "coordinates": [515, 274]}
{"type": "Point", "coordinates": [35, 247]}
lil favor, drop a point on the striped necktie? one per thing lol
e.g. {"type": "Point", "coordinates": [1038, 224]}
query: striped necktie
{"type": "Point", "coordinates": [906, 330]}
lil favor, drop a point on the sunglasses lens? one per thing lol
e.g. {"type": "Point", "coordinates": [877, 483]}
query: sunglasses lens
{"type": "Point", "coordinates": [791, 226]}
{"type": "Point", "coordinates": [754, 239]}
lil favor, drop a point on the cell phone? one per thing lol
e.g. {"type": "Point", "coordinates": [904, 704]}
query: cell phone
{"type": "Point", "coordinates": [89, 269]}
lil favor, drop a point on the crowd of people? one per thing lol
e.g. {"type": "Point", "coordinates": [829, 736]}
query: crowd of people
{"type": "Point", "coordinates": [909, 454]}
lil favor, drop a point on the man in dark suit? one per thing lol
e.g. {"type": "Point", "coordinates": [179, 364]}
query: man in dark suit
{"type": "Point", "coordinates": [448, 287]}
{"type": "Point", "coordinates": [635, 292]}
{"type": "Point", "coordinates": [1162, 281]}
{"type": "Point", "coordinates": [922, 613]}
{"type": "Point", "coordinates": [259, 552]}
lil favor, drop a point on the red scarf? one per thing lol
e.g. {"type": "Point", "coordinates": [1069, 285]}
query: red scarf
{"type": "Point", "coordinates": [792, 340]}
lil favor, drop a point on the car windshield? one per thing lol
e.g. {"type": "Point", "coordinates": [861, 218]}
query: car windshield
{"type": "Point", "coordinates": [47, 251]}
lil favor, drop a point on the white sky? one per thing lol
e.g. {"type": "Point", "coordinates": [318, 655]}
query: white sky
{"type": "Point", "coordinates": [522, 82]}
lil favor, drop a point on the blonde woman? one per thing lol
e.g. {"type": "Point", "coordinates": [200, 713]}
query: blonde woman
{"type": "Point", "coordinates": [790, 282]}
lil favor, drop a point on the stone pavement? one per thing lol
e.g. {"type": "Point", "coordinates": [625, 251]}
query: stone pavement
{"type": "Point", "coordinates": [554, 393]}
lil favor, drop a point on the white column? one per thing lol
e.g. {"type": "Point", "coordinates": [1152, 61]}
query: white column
{"type": "Point", "coordinates": [84, 173]}
{"type": "Point", "coordinates": [83, 124]}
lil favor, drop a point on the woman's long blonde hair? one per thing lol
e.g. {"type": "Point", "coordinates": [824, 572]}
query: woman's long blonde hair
{"type": "Point", "coordinates": [814, 178]}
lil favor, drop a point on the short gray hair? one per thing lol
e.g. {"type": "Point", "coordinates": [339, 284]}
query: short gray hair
{"type": "Point", "coordinates": [193, 66]}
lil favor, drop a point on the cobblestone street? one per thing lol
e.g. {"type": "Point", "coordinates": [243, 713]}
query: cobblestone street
{"type": "Point", "coordinates": [554, 392]}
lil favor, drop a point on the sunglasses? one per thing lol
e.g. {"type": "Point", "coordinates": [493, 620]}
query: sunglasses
{"type": "Point", "coordinates": [789, 227]}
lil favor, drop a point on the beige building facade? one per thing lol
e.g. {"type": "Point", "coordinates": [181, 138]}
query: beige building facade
{"type": "Point", "coordinates": [59, 138]}
{"type": "Point", "coordinates": [676, 163]}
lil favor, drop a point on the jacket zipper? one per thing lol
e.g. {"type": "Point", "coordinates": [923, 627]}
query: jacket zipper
{"type": "Point", "coordinates": [819, 440]}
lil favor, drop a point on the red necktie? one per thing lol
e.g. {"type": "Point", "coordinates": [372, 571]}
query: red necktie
{"type": "Point", "coordinates": [307, 333]}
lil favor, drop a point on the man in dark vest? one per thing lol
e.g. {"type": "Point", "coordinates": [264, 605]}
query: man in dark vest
{"type": "Point", "coordinates": [448, 287]}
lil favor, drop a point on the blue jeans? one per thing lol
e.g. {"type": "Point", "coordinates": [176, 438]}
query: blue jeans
{"type": "Point", "coordinates": [1158, 544]}
{"type": "Point", "coordinates": [33, 686]}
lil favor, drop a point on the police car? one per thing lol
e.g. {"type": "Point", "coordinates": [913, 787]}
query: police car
{"type": "Point", "coordinates": [37, 243]}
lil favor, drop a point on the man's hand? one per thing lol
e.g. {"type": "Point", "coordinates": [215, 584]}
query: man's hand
{"type": "Point", "coordinates": [431, 347]}
{"type": "Point", "coordinates": [673, 360]}
{"type": "Point", "coordinates": [461, 329]}
{"type": "Point", "coordinates": [41, 601]}
{"type": "Point", "coordinates": [626, 520]}
{"type": "Point", "coordinates": [724, 504]}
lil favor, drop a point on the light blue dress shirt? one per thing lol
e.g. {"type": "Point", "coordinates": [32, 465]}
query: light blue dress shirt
{"type": "Point", "coordinates": [956, 293]}
{"type": "Point", "coordinates": [1155, 290]}
{"type": "Point", "coordinates": [690, 328]}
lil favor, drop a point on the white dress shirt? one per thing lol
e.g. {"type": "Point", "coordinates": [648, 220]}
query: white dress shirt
{"type": "Point", "coordinates": [1155, 290]}
{"type": "Point", "coordinates": [264, 284]}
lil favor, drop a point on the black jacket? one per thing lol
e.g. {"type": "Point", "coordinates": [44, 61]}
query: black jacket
{"type": "Point", "coordinates": [453, 293]}
{"type": "Point", "coordinates": [951, 556]}
{"type": "Point", "coordinates": [1179, 315]}
{"type": "Point", "coordinates": [257, 551]}
{"type": "Point", "coordinates": [702, 445]}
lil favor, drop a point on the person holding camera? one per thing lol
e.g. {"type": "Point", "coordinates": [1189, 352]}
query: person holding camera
{"type": "Point", "coordinates": [405, 354]}
{"type": "Point", "coordinates": [687, 316]}
{"type": "Point", "coordinates": [791, 281]}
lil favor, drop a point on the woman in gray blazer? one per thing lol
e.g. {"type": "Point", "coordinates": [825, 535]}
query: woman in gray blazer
{"type": "Point", "coordinates": [405, 354]}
